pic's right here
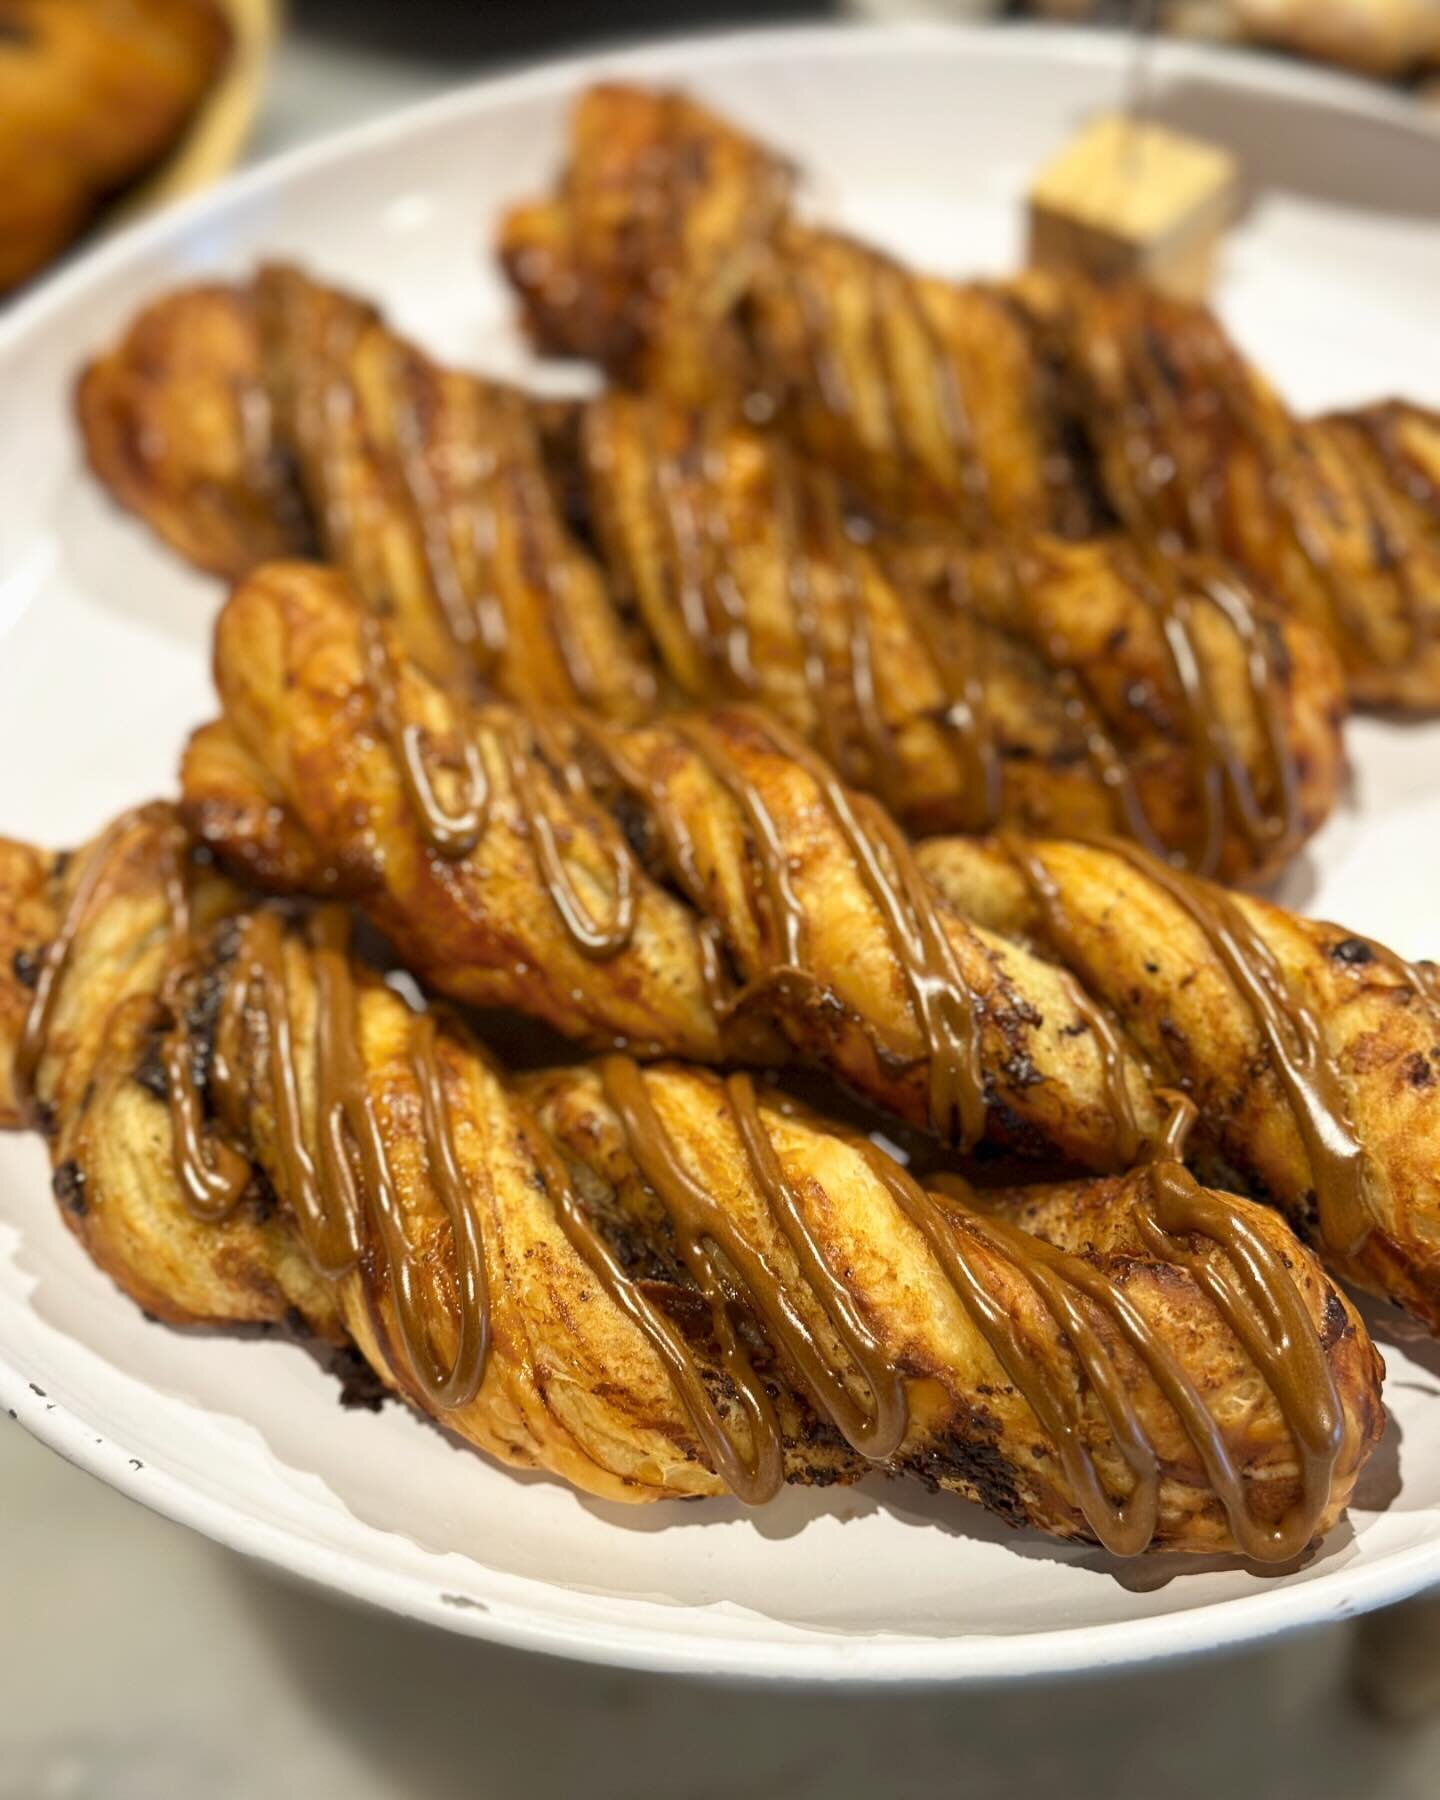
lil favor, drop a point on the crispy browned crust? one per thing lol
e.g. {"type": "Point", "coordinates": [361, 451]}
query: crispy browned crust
{"type": "Point", "coordinates": [1139, 954]}
{"type": "Point", "coordinates": [658, 197]}
{"type": "Point", "coordinates": [1390, 453]}
{"type": "Point", "coordinates": [430, 490]}
{"type": "Point", "coordinates": [734, 555]}
{"type": "Point", "coordinates": [90, 96]}
{"type": "Point", "coordinates": [484, 928]}
{"type": "Point", "coordinates": [177, 424]}
{"type": "Point", "coordinates": [110, 1147]}
{"type": "Point", "coordinates": [232, 802]}
{"type": "Point", "coordinates": [1338, 516]}
{"type": "Point", "coordinates": [571, 1385]}
{"type": "Point", "coordinates": [1043, 404]}
{"type": "Point", "coordinates": [249, 423]}
{"type": "Point", "coordinates": [653, 236]}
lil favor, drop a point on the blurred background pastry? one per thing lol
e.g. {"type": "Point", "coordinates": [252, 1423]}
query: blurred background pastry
{"type": "Point", "coordinates": [94, 95]}
{"type": "Point", "coordinates": [1392, 39]}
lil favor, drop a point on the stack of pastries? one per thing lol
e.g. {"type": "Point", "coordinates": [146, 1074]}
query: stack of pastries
{"type": "Point", "coordinates": [886, 682]}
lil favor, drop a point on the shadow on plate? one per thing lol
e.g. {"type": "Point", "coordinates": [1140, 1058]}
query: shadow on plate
{"type": "Point", "coordinates": [343, 1452]}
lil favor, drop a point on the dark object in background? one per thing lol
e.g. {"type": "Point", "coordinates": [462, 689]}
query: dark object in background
{"type": "Point", "coordinates": [476, 31]}
{"type": "Point", "coordinates": [91, 96]}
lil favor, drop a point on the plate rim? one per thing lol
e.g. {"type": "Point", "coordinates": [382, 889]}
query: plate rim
{"type": "Point", "coordinates": [674, 1645]}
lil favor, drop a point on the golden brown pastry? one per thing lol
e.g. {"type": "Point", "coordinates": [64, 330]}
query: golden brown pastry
{"type": "Point", "coordinates": [1059, 687]}
{"type": "Point", "coordinates": [661, 217]}
{"type": "Point", "coordinates": [1063, 688]}
{"type": "Point", "coordinates": [679, 885]}
{"type": "Point", "coordinates": [232, 418]}
{"type": "Point", "coordinates": [430, 491]}
{"type": "Point", "coordinates": [649, 1283]}
{"type": "Point", "coordinates": [1045, 405]}
{"type": "Point", "coordinates": [935, 400]}
{"type": "Point", "coordinates": [92, 93]}
{"type": "Point", "coordinates": [627, 887]}
{"type": "Point", "coordinates": [1313, 1054]}
{"type": "Point", "coordinates": [1337, 517]}
{"type": "Point", "coordinates": [179, 426]}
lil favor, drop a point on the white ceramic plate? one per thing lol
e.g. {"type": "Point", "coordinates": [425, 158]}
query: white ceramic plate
{"type": "Point", "coordinates": [922, 139]}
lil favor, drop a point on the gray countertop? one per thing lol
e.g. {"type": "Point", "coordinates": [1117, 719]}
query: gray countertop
{"type": "Point", "coordinates": [138, 1662]}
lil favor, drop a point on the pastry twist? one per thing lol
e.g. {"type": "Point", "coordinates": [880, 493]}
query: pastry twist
{"type": "Point", "coordinates": [649, 1283]}
{"type": "Point", "coordinates": [1061, 688]}
{"type": "Point", "coordinates": [1067, 688]}
{"type": "Point", "coordinates": [679, 886]}
{"type": "Point", "coordinates": [932, 399]}
{"type": "Point", "coordinates": [1045, 405]}
{"type": "Point", "coordinates": [1339, 516]}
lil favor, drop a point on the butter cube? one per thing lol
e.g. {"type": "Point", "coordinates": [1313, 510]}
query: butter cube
{"type": "Point", "coordinates": [1128, 197]}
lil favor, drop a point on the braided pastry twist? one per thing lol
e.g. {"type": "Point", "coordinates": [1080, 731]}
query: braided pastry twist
{"type": "Point", "coordinates": [1067, 688]}
{"type": "Point", "coordinates": [680, 885]}
{"type": "Point", "coordinates": [650, 1283]}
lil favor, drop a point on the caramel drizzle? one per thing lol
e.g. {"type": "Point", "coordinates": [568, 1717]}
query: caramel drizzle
{"type": "Point", "coordinates": [344, 1194]}
{"type": "Point", "coordinates": [86, 895]}
{"type": "Point", "coordinates": [1114, 1058]}
{"type": "Point", "coordinates": [213, 1175]}
{"type": "Point", "coordinates": [1382, 426]}
{"type": "Point", "coordinates": [1255, 1295]}
{"type": "Point", "coordinates": [477, 624]}
{"type": "Point", "coordinates": [702, 1227]}
{"type": "Point", "coordinates": [549, 551]}
{"type": "Point", "coordinates": [1279, 829]}
{"type": "Point", "coordinates": [1242, 408]}
{"type": "Point", "coordinates": [704, 587]}
{"type": "Point", "coordinates": [1253, 1291]}
{"type": "Point", "coordinates": [338, 1180]}
{"type": "Point", "coordinates": [452, 835]}
{"type": "Point", "coordinates": [947, 1009]}
{"type": "Point", "coordinates": [1105, 759]}
{"type": "Point", "coordinates": [1223, 786]}
{"type": "Point", "coordinates": [1226, 793]}
{"type": "Point", "coordinates": [1197, 496]}
{"type": "Point", "coordinates": [212, 1183]}
{"type": "Point", "coordinates": [957, 649]}
{"type": "Point", "coordinates": [332, 419]}
{"type": "Point", "coordinates": [696, 531]}
{"type": "Point", "coordinates": [822, 507]}
{"type": "Point", "coordinates": [887, 287]}
{"type": "Point", "coordinates": [1225, 790]}
{"type": "Point", "coordinates": [455, 835]}
{"type": "Point", "coordinates": [326, 420]}
{"type": "Point", "coordinates": [596, 938]}
{"type": "Point", "coordinates": [1341, 1170]}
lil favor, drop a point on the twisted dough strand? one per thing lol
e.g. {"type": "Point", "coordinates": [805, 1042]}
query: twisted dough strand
{"type": "Point", "coordinates": [1069, 688]}
{"type": "Point", "coordinates": [585, 1271]}
{"type": "Point", "coordinates": [1059, 687]}
{"type": "Point", "coordinates": [806, 890]}
{"type": "Point", "coordinates": [1045, 405]}
{"type": "Point", "coordinates": [769, 895]}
